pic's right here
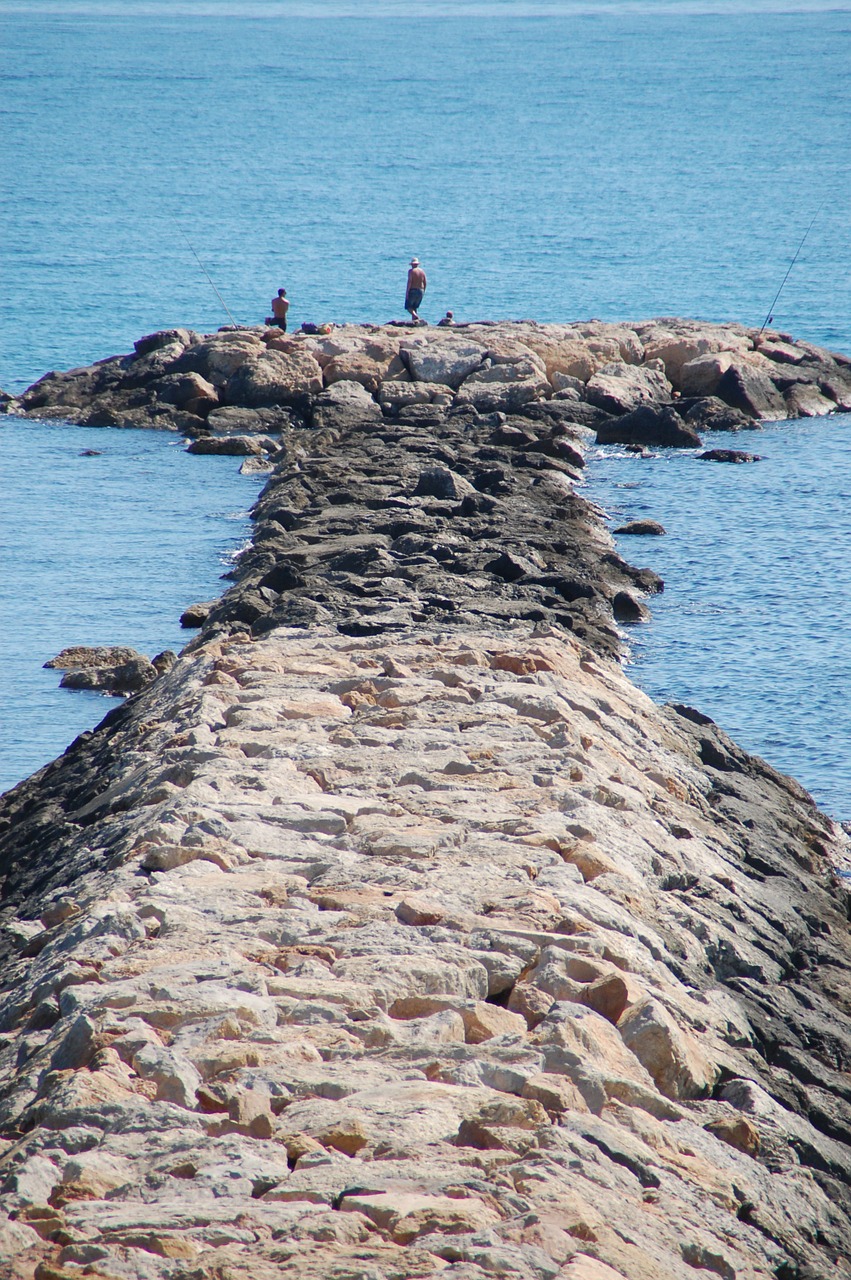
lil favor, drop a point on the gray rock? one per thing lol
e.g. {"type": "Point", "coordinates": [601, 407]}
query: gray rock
{"type": "Point", "coordinates": [642, 528]}
{"type": "Point", "coordinates": [649, 425]}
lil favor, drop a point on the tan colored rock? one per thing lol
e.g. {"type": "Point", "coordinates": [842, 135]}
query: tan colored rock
{"type": "Point", "coordinates": [419, 911]}
{"type": "Point", "coordinates": [405, 1217]}
{"type": "Point", "coordinates": [608, 996]}
{"type": "Point", "coordinates": [274, 378]}
{"type": "Point", "coordinates": [531, 1003]}
{"type": "Point", "coordinates": [738, 1132]}
{"type": "Point", "coordinates": [348, 1136]}
{"type": "Point", "coordinates": [583, 1267]}
{"type": "Point", "coordinates": [484, 1021]}
{"type": "Point", "coordinates": [620, 388]}
{"type": "Point", "coordinates": [671, 1055]}
{"type": "Point", "coordinates": [554, 1092]}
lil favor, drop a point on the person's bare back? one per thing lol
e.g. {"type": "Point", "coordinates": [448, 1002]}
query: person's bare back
{"type": "Point", "coordinates": [415, 289]}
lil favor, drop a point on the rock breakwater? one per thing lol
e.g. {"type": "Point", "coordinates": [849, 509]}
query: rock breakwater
{"type": "Point", "coordinates": [392, 932]}
{"type": "Point", "coordinates": [657, 382]}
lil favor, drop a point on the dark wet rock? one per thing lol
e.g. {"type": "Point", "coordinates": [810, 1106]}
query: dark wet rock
{"type": "Point", "coordinates": [232, 420]}
{"type": "Point", "coordinates": [440, 482]}
{"type": "Point", "coordinates": [641, 528]}
{"type": "Point", "coordinates": [78, 657]}
{"type": "Point", "coordinates": [569, 413]}
{"type": "Point", "coordinates": [196, 615]}
{"type": "Point", "coordinates": [122, 679]}
{"type": "Point", "coordinates": [728, 455]}
{"type": "Point", "coordinates": [627, 609]}
{"type": "Point", "coordinates": [230, 446]}
{"type": "Point", "coordinates": [164, 338]}
{"type": "Point", "coordinates": [750, 389]}
{"type": "Point", "coordinates": [659, 426]}
{"type": "Point", "coordinates": [709, 413]}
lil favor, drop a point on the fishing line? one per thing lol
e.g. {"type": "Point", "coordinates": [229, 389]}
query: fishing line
{"type": "Point", "coordinates": [206, 273]}
{"type": "Point", "coordinates": [770, 315]}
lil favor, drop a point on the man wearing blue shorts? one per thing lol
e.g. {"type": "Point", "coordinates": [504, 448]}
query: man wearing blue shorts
{"type": "Point", "coordinates": [415, 290]}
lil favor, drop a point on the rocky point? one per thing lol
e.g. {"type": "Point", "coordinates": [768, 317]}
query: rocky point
{"type": "Point", "coordinates": [390, 931]}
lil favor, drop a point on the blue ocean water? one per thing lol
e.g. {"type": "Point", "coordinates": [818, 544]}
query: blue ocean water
{"type": "Point", "coordinates": [752, 627]}
{"type": "Point", "coordinates": [103, 549]}
{"type": "Point", "coordinates": [555, 159]}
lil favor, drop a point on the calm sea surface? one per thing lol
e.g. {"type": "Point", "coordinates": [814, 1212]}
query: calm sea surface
{"type": "Point", "coordinates": [554, 160]}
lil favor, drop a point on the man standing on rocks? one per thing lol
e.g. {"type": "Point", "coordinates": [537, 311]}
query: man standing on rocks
{"type": "Point", "coordinates": [280, 307]}
{"type": "Point", "coordinates": [416, 289]}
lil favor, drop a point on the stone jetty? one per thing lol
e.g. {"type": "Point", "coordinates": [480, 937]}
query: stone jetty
{"type": "Point", "coordinates": [390, 931]}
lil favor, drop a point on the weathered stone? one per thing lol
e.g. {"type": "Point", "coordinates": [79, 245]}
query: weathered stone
{"type": "Point", "coordinates": [620, 388]}
{"type": "Point", "coordinates": [274, 378]}
{"type": "Point", "coordinates": [641, 528]}
{"type": "Point", "coordinates": [666, 1050]}
{"type": "Point", "coordinates": [748, 387]}
{"type": "Point", "coordinates": [443, 361]}
{"type": "Point", "coordinates": [275, 933]}
{"type": "Point", "coordinates": [227, 446]}
{"type": "Point", "coordinates": [649, 425]}
{"type": "Point", "coordinates": [124, 678]}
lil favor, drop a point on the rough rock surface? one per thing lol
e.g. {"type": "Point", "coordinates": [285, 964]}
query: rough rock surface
{"type": "Point", "coordinates": [391, 932]}
{"type": "Point", "coordinates": [257, 380]}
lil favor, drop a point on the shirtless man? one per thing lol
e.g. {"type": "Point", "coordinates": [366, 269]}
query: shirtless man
{"type": "Point", "coordinates": [415, 290]}
{"type": "Point", "coordinates": [280, 307]}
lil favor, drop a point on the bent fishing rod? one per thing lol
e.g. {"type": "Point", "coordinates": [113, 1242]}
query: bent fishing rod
{"type": "Point", "coordinates": [770, 315]}
{"type": "Point", "coordinates": [206, 273]}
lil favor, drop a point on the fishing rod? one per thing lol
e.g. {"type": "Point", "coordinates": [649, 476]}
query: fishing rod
{"type": "Point", "coordinates": [206, 273]}
{"type": "Point", "coordinates": [770, 315]}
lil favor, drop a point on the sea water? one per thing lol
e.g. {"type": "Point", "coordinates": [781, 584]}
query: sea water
{"type": "Point", "coordinates": [174, 162]}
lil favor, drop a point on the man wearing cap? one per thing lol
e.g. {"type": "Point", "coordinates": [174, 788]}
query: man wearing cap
{"type": "Point", "coordinates": [415, 290]}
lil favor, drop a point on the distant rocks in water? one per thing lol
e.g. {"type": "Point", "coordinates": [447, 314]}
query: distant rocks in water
{"type": "Point", "coordinates": [642, 528]}
{"type": "Point", "coordinates": [728, 455]}
{"type": "Point", "coordinates": [111, 669]}
{"type": "Point", "coordinates": [197, 614]}
{"type": "Point", "coordinates": [656, 383]}
{"type": "Point", "coordinates": [91, 453]}
{"type": "Point", "coordinates": [76, 657]}
{"type": "Point", "coordinates": [233, 446]}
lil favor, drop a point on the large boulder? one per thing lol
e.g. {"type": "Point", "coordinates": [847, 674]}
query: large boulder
{"type": "Point", "coordinates": [620, 388]}
{"type": "Point", "coordinates": [487, 395]}
{"type": "Point", "coordinates": [447, 361]}
{"type": "Point", "coordinates": [230, 446]}
{"type": "Point", "coordinates": [344, 404]}
{"type": "Point", "coordinates": [653, 425]}
{"type": "Point", "coordinates": [217, 358]}
{"type": "Point", "coordinates": [679, 344]}
{"type": "Point", "coordinates": [747, 386]}
{"type": "Point", "coordinates": [806, 400]}
{"type": "Point", "coordinates": [164, 338]}
{"type": "Point", "coordinates": [369, 362]}
{"type": "Point", "coordinates": [274, 377]}
{"type": "Point", "coordinates": [234, 420]}
{"type": "Point", "coordinates": [181, 389]}
{"type": "Point", "coordinates": [567, 355]}
{"type": "Point", "coordinates": [702, 375]}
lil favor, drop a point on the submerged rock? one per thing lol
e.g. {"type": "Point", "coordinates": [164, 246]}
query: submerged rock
{"type": "Point", "coordinates": [728, 455]}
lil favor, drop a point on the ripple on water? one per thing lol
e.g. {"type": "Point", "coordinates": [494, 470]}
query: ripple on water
{"type": "Point", "coordinates": [752, 625]}
{"type": "Point", "coordinates": [100, 549]}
